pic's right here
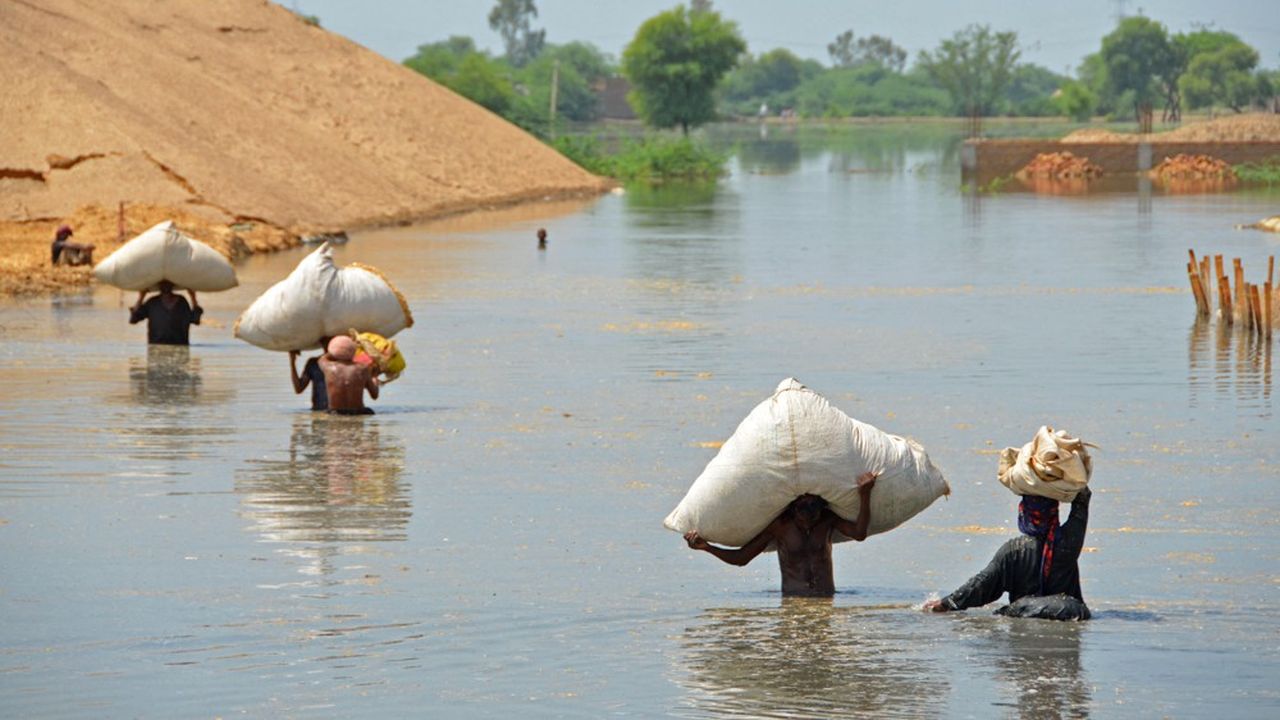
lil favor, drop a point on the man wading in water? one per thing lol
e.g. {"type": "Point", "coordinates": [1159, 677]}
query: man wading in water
{"type": "Point", "coordinates": [169, 317]}
{"type": "Point", "coordinates": [344, 380]}
{"type": "Point", "coordinates": [802, 535]}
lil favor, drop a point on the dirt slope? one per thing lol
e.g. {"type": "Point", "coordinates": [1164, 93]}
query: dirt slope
{"type": "Point", "coordinates": [237, 110]}
{"type": "Point", "coordinates": [1254, 126]}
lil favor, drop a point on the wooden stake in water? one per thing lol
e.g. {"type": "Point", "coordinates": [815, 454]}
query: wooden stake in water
{"type": "Point", "coordinates": [1256, 303]}
{"type": "Point", "coordinates": [1197, 290]}
{"type": "Point", "coordinates": [1266, 309]}
{"type": "Point", "coordinates": [1241, 304]}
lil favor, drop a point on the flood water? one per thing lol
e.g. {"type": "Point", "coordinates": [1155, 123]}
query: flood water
{"type": "Point", "coordinates": [181, 538]}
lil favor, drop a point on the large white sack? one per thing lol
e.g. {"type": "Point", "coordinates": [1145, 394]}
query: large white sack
{"type": "Point", "coordinates": [319, 300]}
{"type": "Point", "coordinates": [166, 253]}
{"type": "Point", "coordinates": [1053, 465]}
{"type": "Point", "coordinates": [794, 443]}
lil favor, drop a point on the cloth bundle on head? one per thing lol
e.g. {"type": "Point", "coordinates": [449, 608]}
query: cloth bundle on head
{"type": "Point", "coordinates": [1053, 465]}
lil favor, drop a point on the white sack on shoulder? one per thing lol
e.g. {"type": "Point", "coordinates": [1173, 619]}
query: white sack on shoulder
{"type": "Point", "coordinates": [794, 443]}
{"type": "Point", "coordinates": [166, 253]}
{"type": "Point", "coordinates": [1053, 465]}
{"type": "Point", "coordinates": [320, 300]}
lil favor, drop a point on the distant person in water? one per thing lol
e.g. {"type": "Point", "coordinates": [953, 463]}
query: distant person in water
{"type": "Point", "coordinates": [70, 253]}
{"type": "Point", "coordinates": [542, 238]}
{"type": "Point", "coordinates": [346, 381]}
{"type": "Point", "coordinates": [169, 317]}
{"type": "Point", "coordinates": [1038, 569]}
{"type": "Point", "coordinates": [802, 536]}
{"type": "Point", "coordinates": [311, 375]}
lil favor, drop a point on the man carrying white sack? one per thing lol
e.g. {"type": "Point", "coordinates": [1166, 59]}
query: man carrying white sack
{"type": "Point", "coordinates": [797, 476]}
{"type": "Point", "coordinates": [1038, 569]}
{"type": "Point", "coordinates": [802, 535]}
{"type": "Point", "coordinates": [169, 317]}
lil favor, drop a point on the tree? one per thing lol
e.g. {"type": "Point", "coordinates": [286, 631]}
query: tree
{"type": "Point", "coordinates": [440, 60]}
{"type": "Point", "coordinates": [879, 50]}
{"type": "Point", "coordinates": [1076, 100]}
{"type": "Point", "coordinates": [675, 62]}
{"type": "Point", "coordinates": [770, 78]}
{"type": "Point", "coordinates": [512, 19]}
{"type": "Point", "coordinates": [581, 67]}
{"type": "Point", "coordinates": [1222, 76]}
{"type": "Point", "coordinates": [974, 66]}
{"type": "Point", "coordinates": [1031, 90]}
{"type": "Point", "coordinates": [842, 51]}
{"type": "Point", "coordinates": [456, 64]}
{"type": "Point", "coordinates": [1141, 63]}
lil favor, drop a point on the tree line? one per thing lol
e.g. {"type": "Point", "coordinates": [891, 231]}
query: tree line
{"type": "Point", "coordinates": [690, 65]}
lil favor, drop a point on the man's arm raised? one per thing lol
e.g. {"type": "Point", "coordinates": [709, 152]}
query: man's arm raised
{"type": "Point", "coordinates": [857, 530]}
{"type": "Point", "coordinates": [734, 556]}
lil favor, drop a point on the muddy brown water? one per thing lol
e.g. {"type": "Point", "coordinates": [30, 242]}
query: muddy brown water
{"type": "Point", "coordinates": [182, 538]}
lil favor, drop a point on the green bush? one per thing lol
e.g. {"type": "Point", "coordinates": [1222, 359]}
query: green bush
{"type": "Point", "coordinates": [650, 159]}
{"type": "Point", "coordinates": [1266, 172]}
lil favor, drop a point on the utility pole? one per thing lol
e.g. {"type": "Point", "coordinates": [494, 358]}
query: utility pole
{"type": "Point", "coordinates": [555, 90]}
{"type": "Point", "coordinates": [1120, 7]}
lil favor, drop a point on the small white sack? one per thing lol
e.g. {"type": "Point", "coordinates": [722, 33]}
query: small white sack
{"type": "Point", "coordinates": [166, 253]}
{"type": "Point", "coordinates": [1053, 465]}
{"type": "Point", "coordinates": [319, 300]}
{"type": "Point", "coordinates": [794, 443]}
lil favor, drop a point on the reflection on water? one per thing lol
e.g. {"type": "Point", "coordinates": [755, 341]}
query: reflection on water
{"type": "Point", "coordinates": [1232, 362]}
{"type": "Point", "coordinates": [180, 420]}
{"type": "Point", "coordinates": [769, 157]}
{"type": "Point", "coordinates": [169, 376]}
{"type": "Point", "coordinates": [807, 658]}
{"type": "Point", "coordinates": [1038, 663]}
{"type": "Point", "coordinates": [341, 482]}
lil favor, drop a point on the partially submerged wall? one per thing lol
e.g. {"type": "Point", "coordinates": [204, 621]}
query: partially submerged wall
{"type": "Point", "coordinates": [985, 160]}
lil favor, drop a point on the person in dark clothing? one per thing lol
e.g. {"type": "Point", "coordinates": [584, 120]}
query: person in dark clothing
{"type": "Point", "coordinates": [311, 375]}
{"type": "Point", "coordinates": [802, 536]}
{"type": "Point", "coordinates": [67, 252]}
{"type": "Point", "coordinates": [542, 238]}
{"type": "Point", "coordinates": [169, 317]}
{"type": "Point", "coordinates": [1039, 570]}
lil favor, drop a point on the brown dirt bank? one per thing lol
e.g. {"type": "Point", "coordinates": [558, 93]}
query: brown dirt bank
{"type": "Point", "coordinates": [1232, 128]}
{"type": "Point", "coordinates": [226, 114]}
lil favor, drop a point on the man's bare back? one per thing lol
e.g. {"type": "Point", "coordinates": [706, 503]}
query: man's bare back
{"type": "Point", "coordinates": [346, 381]}
{"type": "Point", "coordinates": [801, 534]}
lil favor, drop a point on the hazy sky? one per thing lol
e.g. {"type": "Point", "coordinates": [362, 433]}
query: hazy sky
{"type": "Point", "coordinates": [1054, 33]}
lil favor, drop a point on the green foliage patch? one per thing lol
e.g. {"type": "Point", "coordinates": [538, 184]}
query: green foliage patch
{"type": "Point", "coordinates": [648, 159]}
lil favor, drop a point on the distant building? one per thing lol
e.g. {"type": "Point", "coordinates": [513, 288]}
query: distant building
{"type": "Point", "coordinates": [612, 92]}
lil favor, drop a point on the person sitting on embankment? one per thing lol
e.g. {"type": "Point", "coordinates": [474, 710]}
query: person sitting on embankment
{"type": "Point", "coordinates": [346, 381]}
{"type": "Point", "coordinates": [802, 535]}
{"type": "Point", "coordinates": [69, 253]}
{"type": "Point", "coordinates": [1039, 569]}
{"type": "Point", "coordinates": [169, 317]}
{"type": "Point", "coordinates": [311, 375]}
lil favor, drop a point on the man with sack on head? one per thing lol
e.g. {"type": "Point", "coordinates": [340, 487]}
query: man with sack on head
{"type": "Point", "coordinates": [345, 380]}
{"type": "Point", "coordinates": [1038, 569]}
{"type": "Point", "coordinates": [169, 317]}
{"type": "Point", "coordinates": [802, 536]}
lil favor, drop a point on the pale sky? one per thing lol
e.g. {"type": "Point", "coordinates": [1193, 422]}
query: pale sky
{"type": "Point", "coordinates": [1053, 33]}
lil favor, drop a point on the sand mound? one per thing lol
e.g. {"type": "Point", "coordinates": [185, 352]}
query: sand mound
{"type": "Point", "coordinates": [1233, 128]}
{"type": "Point", "coordinates": [1059, 166]}
{"type": "Point", "coordinates": [237, 109]}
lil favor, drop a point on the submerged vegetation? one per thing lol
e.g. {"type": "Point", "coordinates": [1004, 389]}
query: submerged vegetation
{"type": "Point", "coordinates": [1265, 172]}
{"type": "Point", "coordinates": [648, 159]}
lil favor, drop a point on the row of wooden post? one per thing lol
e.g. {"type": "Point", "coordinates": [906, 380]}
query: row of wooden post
{"type": "Point", "coordinates": [1248, 305]}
